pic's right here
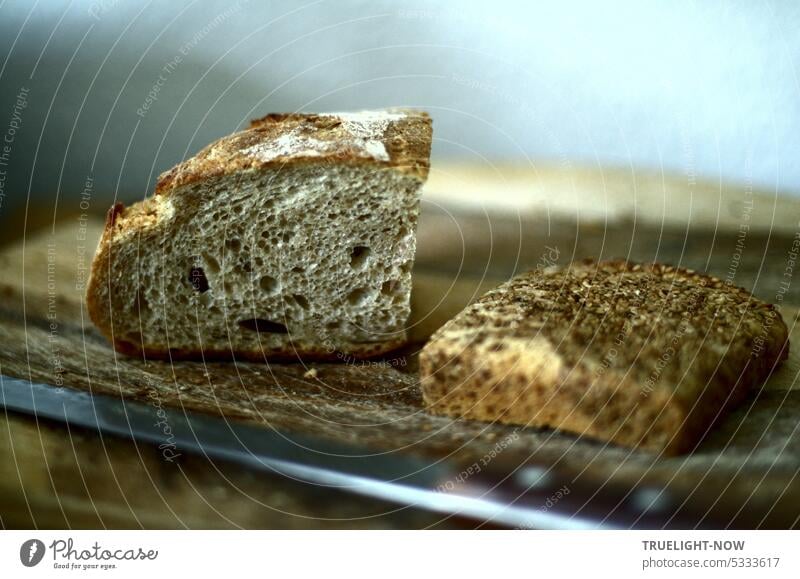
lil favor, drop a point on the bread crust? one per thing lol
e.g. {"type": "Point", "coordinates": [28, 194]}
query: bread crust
{"type": "Point", "coordinates": [645, 356]}
{"type": "Point", "coordinates": [399, 142]}
{"type": "Point", "coordinates": [406, 142]}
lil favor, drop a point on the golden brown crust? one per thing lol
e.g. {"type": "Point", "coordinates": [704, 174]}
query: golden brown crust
{"type": "Point", "coordinates": [98, 275]}
{"type": "Point", "coordinates": [98, 287]}
{"type": "Point", "coordinates": [111, 215]}
{"type": "Point", "coordinates": [640, 355]}
{"type": "Point", "coordinates": [406, 142]}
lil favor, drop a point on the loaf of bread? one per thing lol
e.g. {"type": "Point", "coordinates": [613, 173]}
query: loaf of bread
{"type": "Point", "coordinates": [646, 356]}
{"type": "Point", "coordinates": [295, 237]}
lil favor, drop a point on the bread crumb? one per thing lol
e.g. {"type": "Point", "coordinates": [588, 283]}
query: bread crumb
{"type": "Point", "coordinates": [310, 373]}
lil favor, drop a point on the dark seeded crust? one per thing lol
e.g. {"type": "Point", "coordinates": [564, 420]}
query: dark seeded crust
{"type": "Point", "coordinates": [407, 142]}
{"type": "Point", "coordinates": [645, 356]}
{"type": "Point", "coordinates": [408, 147]}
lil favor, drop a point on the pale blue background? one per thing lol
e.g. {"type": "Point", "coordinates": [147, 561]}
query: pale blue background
{"type": "Point", "coordinates": [705, 88]}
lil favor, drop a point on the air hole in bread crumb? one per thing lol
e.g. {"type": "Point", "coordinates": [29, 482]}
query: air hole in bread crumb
{"type": "Point", "coordinates": [233, 244]}
{"type": "Point", "coordinates": [263, 326]}
{"type": "Point", "coordinates": [389, 286]}
{"type": "Point", "coordinates": [197, 277]}
{"type": "Point", "coordinates": [269, 284]}
{"type": "Point", "coordinates": [358, 296]}
{"type": "Point", "coordinates": [358, 257]}
{"type": "Point", "coordinates": [301, 301]}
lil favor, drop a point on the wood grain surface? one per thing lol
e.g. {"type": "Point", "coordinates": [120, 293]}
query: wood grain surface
{"type": "Point", "coordinates": [53, 477]}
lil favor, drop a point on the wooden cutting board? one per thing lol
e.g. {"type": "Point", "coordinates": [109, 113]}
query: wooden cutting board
{"type": "Point", "coordinates": [467, 244]}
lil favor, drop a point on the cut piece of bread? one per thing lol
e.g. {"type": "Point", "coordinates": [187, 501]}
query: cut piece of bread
{"type": "Point", "coordinates": [295, 237]}
{"type": "Point", "coordinates": [643, 356]}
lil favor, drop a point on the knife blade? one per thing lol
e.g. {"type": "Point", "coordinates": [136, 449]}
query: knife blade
{"type": "Point", "coordinates": [518, 499]}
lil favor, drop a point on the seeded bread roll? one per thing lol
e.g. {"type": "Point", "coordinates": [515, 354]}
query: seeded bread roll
{"type": "Point", "coordinates": [644, 356]}
{"type": "Point", "coordinates": [293, 238]}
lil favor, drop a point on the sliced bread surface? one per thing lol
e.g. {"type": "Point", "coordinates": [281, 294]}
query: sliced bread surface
{"type": "Point", "coordinates": [293, 238]}
{"type": "Point", "coordinates": [646, 356]}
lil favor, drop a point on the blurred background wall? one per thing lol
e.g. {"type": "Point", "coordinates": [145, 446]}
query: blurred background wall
{"type": "Point", "coordinates": [99, 96]}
